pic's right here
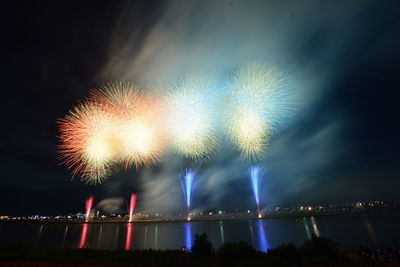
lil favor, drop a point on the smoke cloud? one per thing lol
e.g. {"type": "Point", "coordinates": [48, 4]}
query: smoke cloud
{"type": "Point", "coordinates": [307, 42]}
{"type": "Point", "coordinates": [110, 205]}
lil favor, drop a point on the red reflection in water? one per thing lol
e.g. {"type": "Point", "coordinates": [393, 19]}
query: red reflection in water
{"type": "Point", "coordinates": [83, 235]}
{"type": "Point", "coordinates": [128, 240]}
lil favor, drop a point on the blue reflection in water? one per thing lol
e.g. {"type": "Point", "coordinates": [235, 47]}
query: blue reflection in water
{"type": "Point", "coordinates": [188, 236]}
{"type": "Point", "coordinates": [262, 239]}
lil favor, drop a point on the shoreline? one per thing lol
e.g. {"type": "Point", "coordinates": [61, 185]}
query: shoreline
{"type": "Point", "coordinates": [196, 219]}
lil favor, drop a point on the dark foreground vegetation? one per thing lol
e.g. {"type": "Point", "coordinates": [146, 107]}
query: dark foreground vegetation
{"type": "Point", "coordinates": [314, 252]}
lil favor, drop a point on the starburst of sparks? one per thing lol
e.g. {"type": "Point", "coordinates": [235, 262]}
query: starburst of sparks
{"type": "Point", "coordinates": [118, 125]}
{"type": "Point", "coordinates": [88, 142]}
{"type": "Point", "coordinates": [256, 107]}
{"type": "Point", "coordinates": [137, 124]}
{"type": "Point", "coordinates": [190, 118]}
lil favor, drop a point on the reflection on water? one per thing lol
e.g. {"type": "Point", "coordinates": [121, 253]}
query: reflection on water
{"type": "Point", "coordinates": [82, 240]}
{"type": "Point", "coordinates": [116, 237]}
{"type": "Point", "coordinates": [65, 236]}
{"type": "Point", "coordinates": [145, 236]}
{"type": "Point", "coordinates": [98, 241]}
{"type": "Point", "coordinates": [305, 223]}
{"type": "Point", "coordinates": [188, 236]}
{"type": "Point", "coordinates": [350, 230]}
{"type": "Point", "coordinates": [221, 229]}
{"type": "Point", "coordinates": [314, 226]}
{"type": "Point", "coordinates": [262, 239]}
{"type": "Point", "coordinates": [156, 237]}
{"type": "Point", "coordinates": [128, 239]}
{"type": "Point", "coordinates": [39, 234]}
{"type": "Point", "coordinates": [370, 230]}
{"type": "Point", "coordinates": [253, 243]}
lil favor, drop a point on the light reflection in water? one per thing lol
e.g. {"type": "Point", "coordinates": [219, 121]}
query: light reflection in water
{"type": "Point", "coordinates": [315, 226]}
{"type": "Point", "coordinates": [262, 239]}
{"type": "Point", "coordinates": [252, 234]}
{"type": "Point", "coordinates": [98, 241]}
{"type": "Point", "coordinates": [65, 236]}
{"type": "Point", "coordinates": [39, 233]}
{"type": "Point", "coordinates": [370, 230]}
{"type": "Point", "coordinates": [116, 237]}
{"type": "Point", "coordinates": [221, 228]}
{"type": "Point", "coordinates": [306, 228]}
{"type": "Point", "coordinates": [156, 237]}
{"type": "Point", "coordinates": [82, 240]}
{"type": "Point", "coordinates": [188, 236]}
{"type": "Point", "coordinates": [145, 237]}
{"type": "Point", "coordinates": [128, 240]}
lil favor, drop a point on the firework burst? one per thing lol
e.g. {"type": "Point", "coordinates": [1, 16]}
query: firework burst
{"type": "Point", "coordinates": [256, 107]}
{"type": "Point", "coordinates": [190, 118]}
{"type": "Point", "coordinates": [88, 141]}
{"type": "Point", "coordinates": [137, 124]}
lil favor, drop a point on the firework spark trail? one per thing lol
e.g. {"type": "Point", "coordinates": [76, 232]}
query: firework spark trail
{"type": "Point", "coordinates": [190, 117]}
{"type": "Point", "coordinates": [256, 177]}
{"type": "Point", "coordinates": [188, 181]}
{"type": "Point", "coordinates": [88, 207]}
{"type": "Point", "coordinates": [88, 142]}
{"type": "Point", "coordinates": [256, 107]}
{"type": "Point", "coordinates": [132, 205]}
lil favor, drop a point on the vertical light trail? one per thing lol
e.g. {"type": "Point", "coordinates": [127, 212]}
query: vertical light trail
{"type": "Point", "coordinates": [128, 239]}
{"type": "Point", "coordinates": [188, 182]}
{"type": "Point", "coordinates": [82, 240]}
{"type": "Point", "coordinates": [132, 205]}
{"type": "Point", "coordinates": [88, 207]}
{"type": "Point", "coordinates": [306, 228]}
{"type": "Point", "coordinates": [188, 236]}
{"type": "Point", "coordinates": [64, 237]}
{"type": "Point", "coordinates": [263, 245]}
{"type": "Point", "coordinates": [256, 176]}
{"type": "Point", "coordinates": [221, 229]}
{"type": "Point", "coordinates": [156, 237]}
{"type": "Point", "coordinates": [315, 226]}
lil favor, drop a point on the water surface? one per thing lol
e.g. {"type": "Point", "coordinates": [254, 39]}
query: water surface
{"type": "Point", "coordinates": [373, 230]}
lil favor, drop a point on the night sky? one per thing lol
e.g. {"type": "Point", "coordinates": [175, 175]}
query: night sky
{"type": "Point", "coordinates": [343, 57]}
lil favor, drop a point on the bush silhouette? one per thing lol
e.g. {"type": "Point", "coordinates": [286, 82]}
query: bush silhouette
{"type": "Point", "coordinates": [201, 245]}
{"type": "Point", "coordinates": [285, 254]}
{"type": "Point", "coordinates": [236, 250]}
{"type": "Point", "coordinates": [320, 250]}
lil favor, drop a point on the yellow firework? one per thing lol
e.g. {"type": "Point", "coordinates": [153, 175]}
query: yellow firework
{"type": "Point", "coordinates": [137, 124]}
{"type": "Point", "coordinates": [255, 107]}
{"type": "Point", "coordinates": [190, 118]}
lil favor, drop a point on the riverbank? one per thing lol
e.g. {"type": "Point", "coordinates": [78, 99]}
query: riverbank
{"type": "Point", "coordinates": [314, 252]}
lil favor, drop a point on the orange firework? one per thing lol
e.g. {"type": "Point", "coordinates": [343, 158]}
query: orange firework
{"type": "Point", "coordinates": [137, 124]}
{"type": "Point", "coordinates": [88, 141]}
